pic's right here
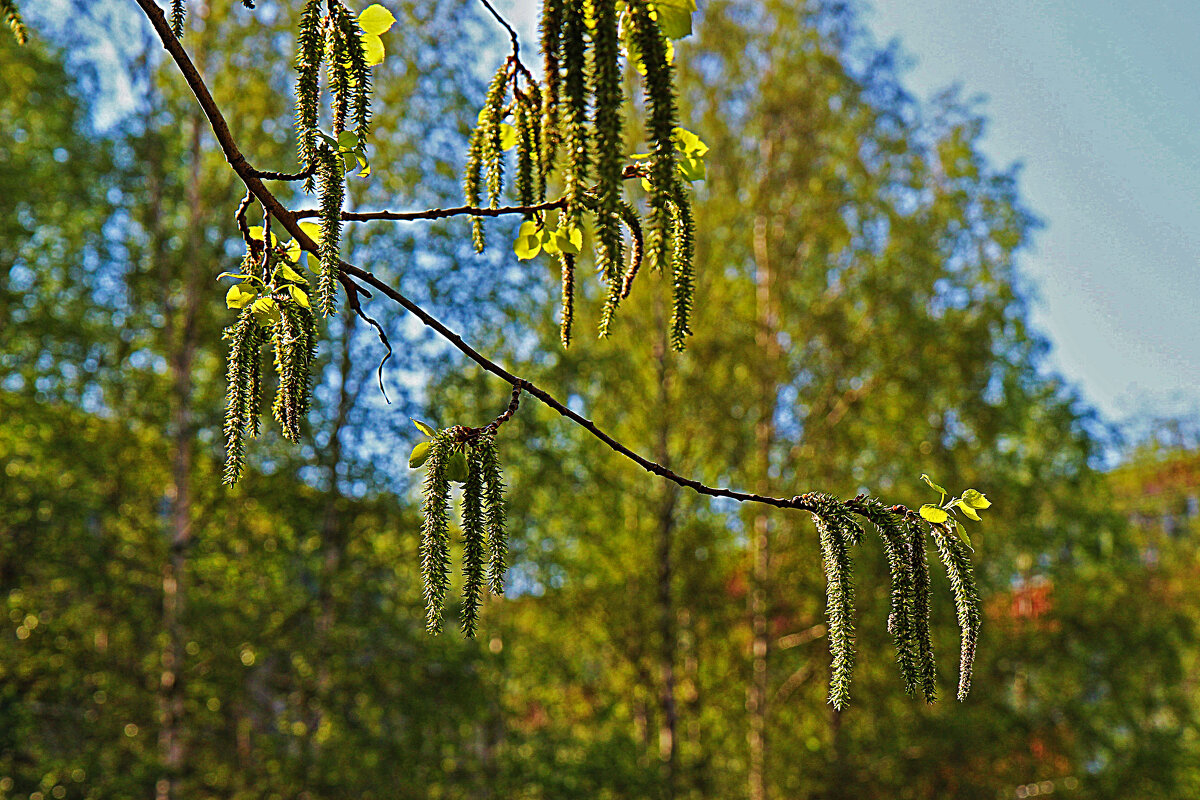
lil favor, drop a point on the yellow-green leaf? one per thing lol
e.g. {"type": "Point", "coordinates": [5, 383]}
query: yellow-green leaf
{"type": "Point", "coordinates": [975, 499]}
{"type": "Point", "coordinates": [675, 17]}
{"type": "Point", "coordinates": [289, 274]}
{"type": "Point", "coordinates": [373, 49]}
{"type": "Point", "coordinates": [933, 513]}
{"type": "Point", "coordinates": [419, 454]}
{"type": "Point", "coordinates": [298, 295]}
{"type": "Point", "coordinates": [569, 241]}
{"type": "Point", "coordinates": [529, 242]}
{"type": "Point", "coordinates": [508, 136]}
{"type": "Point", "coordinates": [313, 230]}
{"type": "Point", "coordinates": [375, 19]}
{"type": "Point", "coordinates": [456, 467]}
{"type": "Point", "coordinates": [932, 485]}
{"type": "Point", "coordinates": [266, 311]}
{"type": "Point", "coordinates": [969, 512]}
{"type": "Point", "coordinates": [240, 295]}
{"type": "Point", "coordinates": [256, 233]}
{"type": "Point", "coordinates": [293, 251]}
{"type": "Point", "coordinates": [423, 428]}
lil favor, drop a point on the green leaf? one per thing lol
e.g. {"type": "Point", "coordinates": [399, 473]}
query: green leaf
{"type": "Point", "coordinates": [375, 19]}
{"type": "Point", "coordinates": [238, 275]}
{"type": "Point", "coordinates": [975, 499]}
{"type": "Point", "coordinates": [423, 428]}
{"type": "Point", "coordinates": [962, 535]}
{"type": "Point", "coordinates": [932, 485]}
{"type": "Point", "coordinates": [968, 511]}
{"type": "Point", "coordinates": [289, 274]}
{"type": "Point", "coordinates": [675, 17]}
{"type": "Point", "coordinates": [688, 143]}
{"type": "Point", "coordinates": [456, 467]}
{"type": "Point", "coordinates": [550, 242]}
{"type": "Point", "coordinates": [256, 233]}
{"type": "Point", "coordinates": [298, 295]}
{"type": "Point", "coordinates": [692, 168]}
{"type": "Point", "coordinates": [529, 242]}
{"type": "Point", "coordinates": [313, 229]}
{"type": "Point", "coordinates": [348, 162]}
{"type": "Point", "coordinates": [569, 241]}
{"type": "Point", "coordinates": [934, 513]}
{"type": "Point", "coordinates": [347, 140]}
{"type": "Point", "coordinates": [508, 136]}
{"type": "Point", "coordinates": [266, 311]}
{"type": "Point", "coordinates": [373, 48]}
{"type": "Point", "coordinates": [419, 454]}
{"type": "Point", "coordinates": [240, 295]}
{"type": "Point", "coordinates": [293, 251]}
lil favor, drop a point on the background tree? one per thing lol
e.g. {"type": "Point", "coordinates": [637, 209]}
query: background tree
{"type": "Point", "coordinates": [862, 325]}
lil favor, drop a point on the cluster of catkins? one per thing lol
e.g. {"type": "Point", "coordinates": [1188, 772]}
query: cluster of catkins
{"type": "Point", "coordinates": [904, 541]}
{"type": "Point", "coordinates": [572, 129]}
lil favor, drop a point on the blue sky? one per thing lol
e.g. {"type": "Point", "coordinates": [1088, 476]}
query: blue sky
{"type": "Point", "coordinates": [1099, 101]}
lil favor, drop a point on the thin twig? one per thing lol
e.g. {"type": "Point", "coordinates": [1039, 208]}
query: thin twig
{"type": "Point", "coordinates": [436, 213]}
{"type": "Point", "coordinates": [283, 176]}
{"type": "Point", "coordinates": [512, 34]}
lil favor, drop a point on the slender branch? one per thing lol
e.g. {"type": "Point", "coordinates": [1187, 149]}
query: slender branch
{"type": "Point", "coordinates": [436, 213]}
{"type": "Point", "coordinates": [283, 176]}
{"type": "Point", "coordinates": [512, 34]}
{"type": "Point", "coordinates": [352, 277]}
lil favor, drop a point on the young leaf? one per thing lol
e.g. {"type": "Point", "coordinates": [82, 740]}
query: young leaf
{"type": "Point", "coordinates": [240, 295]}
{"type": "Point", "coordinates": [313, 230]}
{"type": "Point", "coordinates": [529, 242]}
{"type": "Point", "coordinates": [508, 136]}
{"type": "Point", "coordinates": [256, 233]}
{"type": "Point", "coordinates": [933, 513]}
{"type": "Point", "coordinates": [266, 311]}
{"type": "Point", "coordinates": [456, 467]}
{"type": "Point", "coordinates": [968, 511]}
{"type": "Point", "coordinates": [375, 19]}
{"type": "Point", "coordinates": [289, 274]}
{"type": "Point", "coordinates": [419, 454]}
{"type": "Point", "coordinates": [569, 241]}
{"type": "Point", "coordinates": [347, 140]}
{"type": "Point", "coordinates": [423, 428]}
{"type": "Point", "coordinates": [931, 484]}
{"type": "Point", "coordinates": [299, 296]}
{"type": "Point", "coordinates": [975, 499]}
{"type": "Point", "coordinates": [675, 17]}
{"type": "Point", "coordinates": [373, 48]}
{"type": "Point", "coordinates": [293, 251]}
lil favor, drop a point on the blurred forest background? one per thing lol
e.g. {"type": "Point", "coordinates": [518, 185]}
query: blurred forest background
{"type": "Point", "coordinates": [861, 319]}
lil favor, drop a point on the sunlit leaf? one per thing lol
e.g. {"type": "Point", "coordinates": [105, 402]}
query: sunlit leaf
{"type": "Point", "coordinates": [934, 514]}
{"type": "Point", "coordinates": [240, 295]}
{"type": "Point", "coordinates": [373, 49]}
{"type": "Point", "coordinates": [419, 454]}
{"type": "Point", "coordinates": [375, 19]}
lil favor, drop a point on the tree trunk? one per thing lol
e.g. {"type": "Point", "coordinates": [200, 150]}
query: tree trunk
{"type": "Point", "coordinates": [664, 536]}
{"type": "Point", "coordinates": [764, 435]}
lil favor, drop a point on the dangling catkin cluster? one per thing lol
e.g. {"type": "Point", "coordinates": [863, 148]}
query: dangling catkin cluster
{"type": "Point", "coordinates": [573, 127]}
{"type": "Point", "coordinates": [330, 36]}
{"type": "Point", "coordinates": [903, 536]}
{"type": "Point", "coordinates": [475, 463]}
{"type": "Point", "coordinates": [275, 311]}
